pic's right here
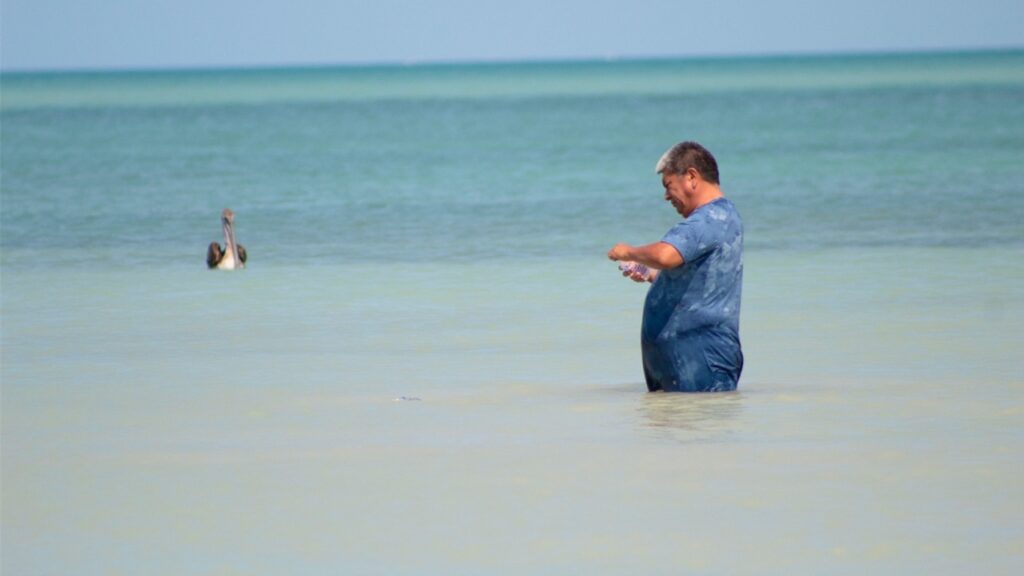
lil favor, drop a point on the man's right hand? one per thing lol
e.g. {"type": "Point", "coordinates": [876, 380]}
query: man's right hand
{"type": "Point", "coordinates": [620, 252]}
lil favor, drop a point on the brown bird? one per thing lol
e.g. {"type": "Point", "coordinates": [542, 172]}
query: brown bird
{"type": "Point", "coordinates": [233, 256]}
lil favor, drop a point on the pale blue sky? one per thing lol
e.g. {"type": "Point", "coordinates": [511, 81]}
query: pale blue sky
{"type": "Point", "coordinates": [62, 34]}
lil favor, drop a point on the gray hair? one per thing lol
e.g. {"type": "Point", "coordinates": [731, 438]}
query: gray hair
{"type": "Point", "coordinates": [685, 155]}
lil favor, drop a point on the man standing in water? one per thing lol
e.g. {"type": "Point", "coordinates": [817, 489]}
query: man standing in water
{"type": "Point", "coordinates": [690, 337]}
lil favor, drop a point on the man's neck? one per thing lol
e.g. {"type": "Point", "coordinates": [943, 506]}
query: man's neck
{"type": "Point", "coordinates": [710, 193]}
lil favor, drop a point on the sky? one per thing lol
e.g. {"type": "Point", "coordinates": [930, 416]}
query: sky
{"type": "Point", "coordinates": [129, 34]}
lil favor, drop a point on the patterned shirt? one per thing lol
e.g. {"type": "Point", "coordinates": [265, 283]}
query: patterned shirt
{"type": "Point", "coordinates": [691, 323]}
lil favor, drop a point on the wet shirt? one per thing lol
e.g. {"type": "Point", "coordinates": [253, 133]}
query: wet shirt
{"type": "Point", "coordinates": [690, 335]}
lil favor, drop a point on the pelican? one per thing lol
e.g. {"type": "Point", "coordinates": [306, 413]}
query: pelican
{"type": "Point", "coordinates": [232, 257]}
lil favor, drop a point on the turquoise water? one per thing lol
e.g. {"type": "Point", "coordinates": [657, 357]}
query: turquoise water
{"type": "Point", "coordinates": [438, 233]}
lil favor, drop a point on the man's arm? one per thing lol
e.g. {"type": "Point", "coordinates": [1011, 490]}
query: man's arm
{"type": "Point", "coordinates": [659, 256]}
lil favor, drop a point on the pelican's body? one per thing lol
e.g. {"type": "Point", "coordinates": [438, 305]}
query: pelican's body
{"type": "Point", "coordinates": [232, 256]}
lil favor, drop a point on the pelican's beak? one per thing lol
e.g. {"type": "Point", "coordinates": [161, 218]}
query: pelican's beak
{"type": "Point", "coordinates": [229, 237]}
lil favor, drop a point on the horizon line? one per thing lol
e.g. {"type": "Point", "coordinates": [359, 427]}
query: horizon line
{"type": "Point", "coordinates": [411, 63]}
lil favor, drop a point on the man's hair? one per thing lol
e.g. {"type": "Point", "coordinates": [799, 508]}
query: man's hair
{"type": "Point", "coordinates": [685, 155]}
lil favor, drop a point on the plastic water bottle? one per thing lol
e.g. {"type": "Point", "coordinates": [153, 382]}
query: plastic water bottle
{"type": "Point", "coordinates": [630, 268]}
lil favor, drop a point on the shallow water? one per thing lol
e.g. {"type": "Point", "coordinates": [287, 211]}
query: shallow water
{"type": "Point", "coordinates": [446, 246]}
{"type": "Point", "coordinates": [254, 421]}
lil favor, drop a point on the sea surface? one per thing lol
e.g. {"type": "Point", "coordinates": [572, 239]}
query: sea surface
{"type": "Point", "coordinates": [430, 367]}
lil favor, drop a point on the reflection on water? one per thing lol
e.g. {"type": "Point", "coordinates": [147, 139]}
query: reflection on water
{"type": "Point", "coordinates": [689, 417]}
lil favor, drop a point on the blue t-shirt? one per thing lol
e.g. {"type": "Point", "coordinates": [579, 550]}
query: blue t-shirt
{"type": "Point", "coordinates": [691, 325]}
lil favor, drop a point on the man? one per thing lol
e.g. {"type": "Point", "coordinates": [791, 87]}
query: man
{"type": "Point", "coordinates": [690, 336]}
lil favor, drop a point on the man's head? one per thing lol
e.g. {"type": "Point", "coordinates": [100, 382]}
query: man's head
{"type": "Point", "coordinates": [689, 174]}
{"type": "Point", "coordinates": [686, 155]}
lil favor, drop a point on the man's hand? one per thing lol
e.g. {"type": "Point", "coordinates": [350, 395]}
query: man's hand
{"type": "Point", "coordinates": [633, 270]}
{"type": "Point", "coordinates": [638, 275]}
{"type": "Point", "coordinates": [620, 252]}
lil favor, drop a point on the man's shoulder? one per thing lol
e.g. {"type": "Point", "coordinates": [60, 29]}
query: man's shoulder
{"type": "Point", "coordinates": [717, 211]}
{"type": "Point", "coordinates": [722, 211]}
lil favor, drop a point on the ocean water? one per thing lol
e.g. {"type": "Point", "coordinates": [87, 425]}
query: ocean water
{"type": "Point", "coordinates": [430, 367]}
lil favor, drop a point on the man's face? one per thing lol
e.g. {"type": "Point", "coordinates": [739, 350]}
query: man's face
{"type": "Point", "coordinates": [675, 186]}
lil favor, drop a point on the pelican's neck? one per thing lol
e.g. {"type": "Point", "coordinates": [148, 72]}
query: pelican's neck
{"type": "Point", "coordinates": [230, 260]}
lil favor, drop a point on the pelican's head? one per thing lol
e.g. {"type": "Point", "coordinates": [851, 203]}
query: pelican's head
{"type": "Point", "coordinates": [227, 220]}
